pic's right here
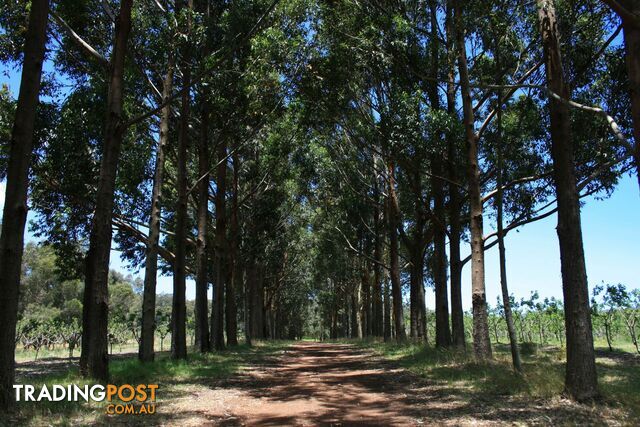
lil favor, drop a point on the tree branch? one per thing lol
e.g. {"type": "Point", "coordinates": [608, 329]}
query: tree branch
{"type": "Point", "coordinates": [83, 45]}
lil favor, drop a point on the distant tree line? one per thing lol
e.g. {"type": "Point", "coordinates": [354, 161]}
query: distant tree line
{"type": "Point", "coordinates": [53, 314]}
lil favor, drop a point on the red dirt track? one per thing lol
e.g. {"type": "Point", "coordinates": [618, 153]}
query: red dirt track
{"type": "Point", "coordinates": [315, 383]}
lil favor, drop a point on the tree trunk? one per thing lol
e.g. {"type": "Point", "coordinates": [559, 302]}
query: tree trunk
{"type": "Point", "coordinates": [418, 315]}
{"type": "Point", "coordinates": [417, 286]}
{"type": "Point", "coordinates": [443, 333]}
{"type": "Point", "coordinates": [202, 265]}
{"type": "Point", "coordinates": [345, 315]}
{"type": "Point", "coordinates": [393, 224]}
{"type": "Point", "coordinates": [235, 265]}
{"type": "Point", "coordinates": [581, 380]}
{"type": "Point", "coordinates": [455, 205]}
{"type": "Point", "coordinates": [506, 303]}
{"type": "Point", "coordinates": [365, 309]}
{"type": "Point", "coordinates": [377, 304]}
{"type": "Point", "coordinates": [256, 301]}
{"type": "Point", "coordinates": [387, 309]}
{"type": "Point", "coordinates": [356, 327]}
{"type": "Point", "coordinates": [221, 245]}
{"type": "Point", "coordinates": [94, 359]}
{"type": "Point", "coordinates": [147, 335]}
{"type": "Point", "coordinates": [413, 305]}
{"type": "Point", "coordinates": [632, 45]}
{"type": "Point", "coordinates": [248, 299]}
{"type": "Point", "coordinates": [17, 184]}
{"type": "Point", "coordinates": [333, 328]}
{"type": "Point", "coordinates": [481, 340]}
{"type": "Point", "coordinates": [178, 306]}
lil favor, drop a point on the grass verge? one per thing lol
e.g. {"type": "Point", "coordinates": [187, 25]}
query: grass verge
{"type": "Point", "coordinates": [542, 378]}
{"type": "Point", "coordinates": [176, 379]}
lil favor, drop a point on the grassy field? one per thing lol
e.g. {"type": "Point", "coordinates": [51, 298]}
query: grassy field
{"type": "Point", "coordinates": [175, 379]}
{"type": "Point", "coordinates": [543, 376]}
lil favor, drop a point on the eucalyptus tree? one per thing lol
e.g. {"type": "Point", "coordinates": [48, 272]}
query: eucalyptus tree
{"type": "Point", "coordinates": [456, 202]}
{"type": "Point", "coordinates": [481, 342]}
{"type": "Point", "coordinates": [94, 359]}
{"type": "Point", "coordinates": [147, 334]}
{"type": "Point", "coordinates": [581, 377]}
{"type": "Point", "coordinates": [17, 182]}
{"type": "Point", "coordinates": [178, 308]}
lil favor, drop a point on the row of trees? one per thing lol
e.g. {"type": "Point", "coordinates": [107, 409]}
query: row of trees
{"type": "Point", "coordinates": [52, 317]}
{"type": "Point", "coordinates": [452, 114]}
{"type": "Point", "coordinates": [306, 156]}
{"type": "Point", "coordinates": [180, 187]}
{"type": "Point", "coordinates": [615, 317]}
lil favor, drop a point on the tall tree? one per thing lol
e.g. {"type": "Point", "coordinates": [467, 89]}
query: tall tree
{"type": "Point", "coordinates": [147, 335]}
{"type": "Point", "coordinates": [481, 341]}
{"type": "Point", "coordinates": [217, 324]}
{"type": "Point", "coordinates": [455, 204]}
{"type": "Point", "coordinates": [14, 214]}
{"type": "Point", "coordinates": [94, 359]}
{"type": "Point", "coordinates": [234, 283]}
{"type": "Point", "coordinates": [378, 274]}
{"type": "Point", "coordinates": [178, 307]}
{"type": "Point", "coordinates": [581, 380]}
{"type": "Point", "coordinates": [506, 299]}
{"type": "Point", "coordinates": [394, 261]}
{"type": "Point", "coordinates": [202, 265]}
{"type": "Point", "coordinates": [443, 333]}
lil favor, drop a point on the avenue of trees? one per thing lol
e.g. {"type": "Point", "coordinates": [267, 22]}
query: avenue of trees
{"type": "Point", "coordinates": [52, 317]}
{"type": "Point", "coordinates": [309, 162]}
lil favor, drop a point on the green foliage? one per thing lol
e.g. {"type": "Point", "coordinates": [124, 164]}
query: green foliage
{"type": "Point", "coordinates": [7, 107]}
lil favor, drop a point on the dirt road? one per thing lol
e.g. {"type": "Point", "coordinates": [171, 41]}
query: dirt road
{"type": "Point", "coordinates": [341, 385]}
{"type": "Point", "coordinates": [315, 383]}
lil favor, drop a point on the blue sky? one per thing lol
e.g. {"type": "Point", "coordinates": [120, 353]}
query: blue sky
{"type": "Point", "coordinates": [611, 233]}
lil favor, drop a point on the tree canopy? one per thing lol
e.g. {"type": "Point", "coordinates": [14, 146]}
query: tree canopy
{"type": "Point", "coordinates": [315, 163]}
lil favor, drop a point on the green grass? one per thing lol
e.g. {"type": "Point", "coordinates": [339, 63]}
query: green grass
{"type": "Point", "coordinates": [543, 371]}
{"type": "Point", "coordinates": [175, 379]}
